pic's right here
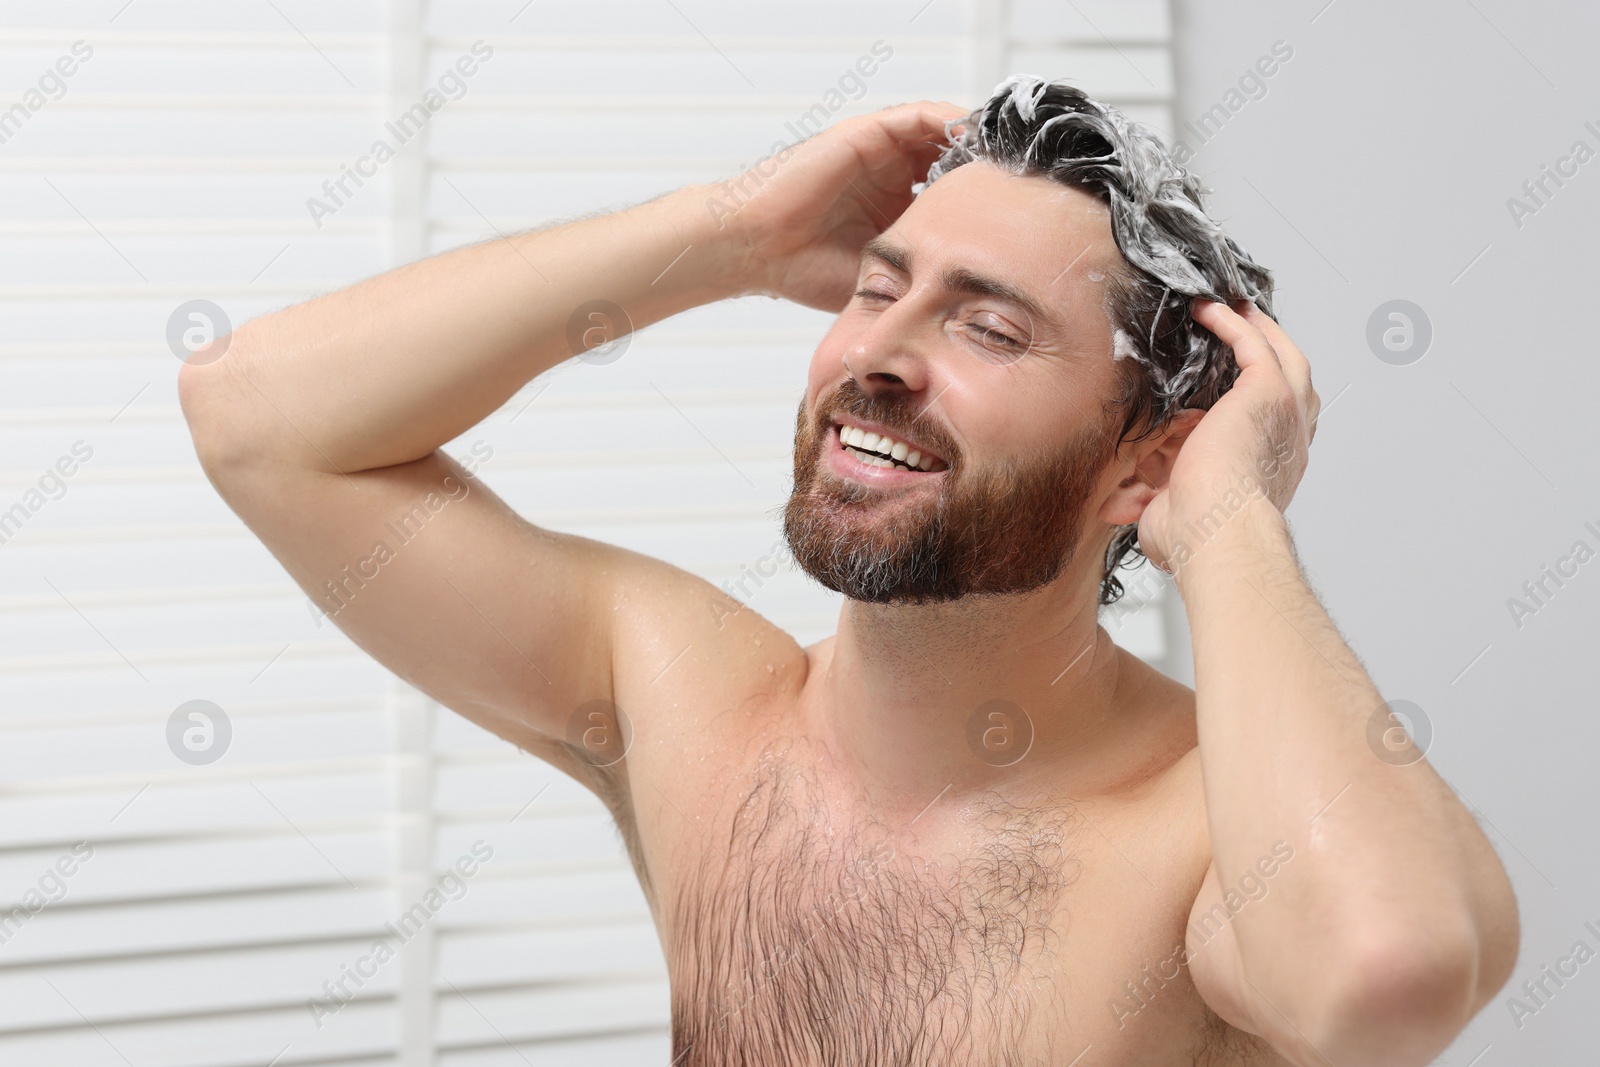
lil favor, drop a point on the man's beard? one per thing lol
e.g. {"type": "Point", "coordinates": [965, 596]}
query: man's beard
{"type": "Point", "coordinates": [1010, 529]}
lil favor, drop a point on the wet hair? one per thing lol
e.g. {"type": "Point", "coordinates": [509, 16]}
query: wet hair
{"type": "Point", "coordinates": [1173, 250]}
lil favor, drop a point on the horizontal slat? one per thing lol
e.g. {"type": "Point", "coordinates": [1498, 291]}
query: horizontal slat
{"type": "Point", "coordinates": [332, 67]}
{"type": "Point", "coordinates": [717, 19]}
{"type": "Point", "coordinates": [196, 16]}
{"type": "Point", "coordinates": [611, 1045]}
{"type": "Point", "coordinates": [578, 837]}
{"type": "Point", "coordinates": [1133, 73]}
{"type": "Point", "coordinates": [174, 165]}
{"type": "Point", "coordinates": [599, 952]}
{"type": "Point", "coordinates": [605, 893]}
{"type": "Point", "coordinates": [249, 920]}
{"type": "Point", "coordinates": [181, 128]}
{"type": "Point", "coordinates": [139, 870]}
{"type": "Point", "coordinates": [197, 805]}
{"type": "Point", "coordinates": [294, 682]}
{"type": "Point", "coordinates": [487, 1019]}
{"type": "Point", "coordinates": [176, 986]}
{"type": "Point", "coordinates": [113, 38]}
{"type": "Point", "coordinates": [360, 1035]}
{"type": "Point", "coordinates": [103, 263]}
{"type": "Point", "coordinates": [1089, 21]}
{"type": "Point", "coordinates": [687, 41]}
{"type": "Point", "coordinates": [73, 227]}
{"type": "Point", "coordinates": [87, 715]}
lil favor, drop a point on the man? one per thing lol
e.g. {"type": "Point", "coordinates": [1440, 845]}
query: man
{"type": "Point", "coordinates": [967, 829]}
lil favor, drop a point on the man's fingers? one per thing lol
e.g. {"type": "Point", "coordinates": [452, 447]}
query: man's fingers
{"type": "Point", "coordinates": [1264, 322]}
{"type": "Point", "coordinates": [1253, 336]}
{"type": "Point", "coordinates": [1295, 364]}
{"type": "Point", "coordinates": [1250, 346]}
{"type": "Point", "coordinates": [920, 121]}
{"type": "Point", "coordinates": [907, 132]}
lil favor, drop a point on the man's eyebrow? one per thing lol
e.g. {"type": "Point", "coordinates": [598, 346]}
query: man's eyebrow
{"type": "Point", "coordinates": [881, 248]}
{"type": "Point", "coordinates": [958, 279]}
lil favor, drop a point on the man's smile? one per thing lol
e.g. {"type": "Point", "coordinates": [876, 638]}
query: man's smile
{"type": "Point", "coordinates": [864, 451]}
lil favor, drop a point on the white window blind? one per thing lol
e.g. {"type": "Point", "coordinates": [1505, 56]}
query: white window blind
{"type": "Point", "coordinates": [264, 907]}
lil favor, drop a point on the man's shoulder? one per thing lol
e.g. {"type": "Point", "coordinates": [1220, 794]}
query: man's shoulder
{"type": "Point", "coordinates": [668, 617]}
{"type": "Point", "coordinates": [683, 653]}
{"type": "Point", "coordinates": [1166, 756]}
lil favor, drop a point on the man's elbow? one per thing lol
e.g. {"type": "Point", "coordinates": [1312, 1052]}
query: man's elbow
{"type": "Point", "coordinates": [1399, 1001]}
{"type": "Point", "coordinates": [216, 403]}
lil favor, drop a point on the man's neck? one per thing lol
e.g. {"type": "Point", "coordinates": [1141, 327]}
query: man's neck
{"type": "Point", "coordinates": [904, 684]}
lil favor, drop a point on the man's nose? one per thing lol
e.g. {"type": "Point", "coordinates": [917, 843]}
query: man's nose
{"type": "Point", "coordinates": [892, 356]}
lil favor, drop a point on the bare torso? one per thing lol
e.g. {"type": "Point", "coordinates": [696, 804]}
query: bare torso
{"type": "Point", "coordinates": [806, 922]}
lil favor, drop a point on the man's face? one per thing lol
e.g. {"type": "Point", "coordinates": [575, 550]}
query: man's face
{"type": "Point", "coordinates": [979, 344]}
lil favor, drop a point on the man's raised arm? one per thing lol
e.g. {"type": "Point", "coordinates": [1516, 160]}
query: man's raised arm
{"type": "Point", "coordinates": [321, 424]}
{"type": "Point", "coordinates": [1391, 920]}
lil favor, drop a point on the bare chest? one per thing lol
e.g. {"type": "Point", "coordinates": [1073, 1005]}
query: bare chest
{"type": "Point", "coordinates": [798, 932]}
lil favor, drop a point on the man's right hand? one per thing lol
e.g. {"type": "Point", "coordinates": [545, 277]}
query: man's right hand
{"type": "Point", "coordinates": [803, 222]}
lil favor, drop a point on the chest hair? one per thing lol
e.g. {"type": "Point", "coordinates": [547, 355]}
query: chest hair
{"type": "Point", "coordinates": [796, 941]}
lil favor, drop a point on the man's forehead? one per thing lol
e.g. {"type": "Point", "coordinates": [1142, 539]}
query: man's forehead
{"type": "Point", "coordinates": [1050, 240]}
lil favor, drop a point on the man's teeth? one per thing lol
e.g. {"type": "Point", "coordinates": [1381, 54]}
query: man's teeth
{"type": "Point", "coordinates": [881, 450]}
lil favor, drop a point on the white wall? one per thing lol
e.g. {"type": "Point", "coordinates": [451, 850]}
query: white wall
{"type": "Point", "coordinates": [177, 166]}
{"type": "Point", "coordinates": [1378, 166]}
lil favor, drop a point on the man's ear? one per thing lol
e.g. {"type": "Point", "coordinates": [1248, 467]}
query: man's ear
{"type": "Point", "coordinates": [1152, 466]}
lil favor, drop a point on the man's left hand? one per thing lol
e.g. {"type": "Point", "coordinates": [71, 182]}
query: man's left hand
{"type": "Point", "coordinates": [1250, 446]}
